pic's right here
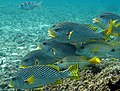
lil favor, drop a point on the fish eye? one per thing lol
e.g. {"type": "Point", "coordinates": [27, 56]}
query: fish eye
{"type": "Point", "coordinates": [61, 61]}
{"type": "Point", "coordinates": [21, 4]}
{"type": "Point", "coordinates": [26, 82]}
{"type": "Point", "coordinates": [113, 50]}
{"type": "Point", "coordinates": [25, 60]}
{"type": "Point", "coordinates": [57, 30]}
{"type": "Point", "coordinates": [13, 79]}
{"type": "Point", "coordinates": [82, 47]}
{"type": "Point", "coordinates": [53, 26]}
{"type": "Point", "coordinates": [67, 34]}
{"type": "Point", "coordinates": [101, 16]}
{"type": "Point", "coordinates": [44, 43]}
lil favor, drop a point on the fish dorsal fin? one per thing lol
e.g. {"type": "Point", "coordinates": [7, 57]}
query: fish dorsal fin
{"type": "Point", "coordinates": [94, 60]}
{"type": "Point", "coordinates": [54, 67]}
{"type": "Point", "coordinates": [95, 49]}
{"type": "Point", "coordinates": [91, 27]}
{"type": "Point", "coordinates": [30, 80]}
{"type": "Point", "coordinates": [83, 58]}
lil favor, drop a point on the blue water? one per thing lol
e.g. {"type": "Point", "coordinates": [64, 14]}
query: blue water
{"type": "Point", "coordinates": [37, 21]}
{"type": "Point", "coordinates": [25, 29]}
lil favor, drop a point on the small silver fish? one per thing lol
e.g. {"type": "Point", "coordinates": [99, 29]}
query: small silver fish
{"type": "Point", "coordinates": [29, 5]}
{"type": "Point", "coordinates": [82, 61]}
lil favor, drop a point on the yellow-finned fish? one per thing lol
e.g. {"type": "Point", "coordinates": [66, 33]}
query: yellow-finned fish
{"type": "Point", "coordinates": [70, 32]}
{"type": "Point", "coordinates": [114, 52]}
{"type": "Point", "coordinates": [81, 61]}
{"type": "Point", "coordinates": [93, 49]}
{"type": "Point", "coordinates": [36, 76]}
{"type": "Point", "coordinates": [109, 23]}
{"type": "Point", "coordinates": [56, 49]}
{"type": "Point", "coordinates": [36, 57]}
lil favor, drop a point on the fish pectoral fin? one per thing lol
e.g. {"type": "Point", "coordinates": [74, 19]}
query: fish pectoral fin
{"type": "Point", "coordinates": [74, 71]}
{"type": "Point", "coordinates": [58, 82]}
{"type": "Point", "coordinates": [94, 60]}
{"type": "Point", "coordinates": [54, 51]}
{"type": "Point", "coordinates": [11, 85]}
{"type": "Point", "coordinates": [69, 35]}
{"type": "Point", "coordinates": [95, 50]}
{"type": "Point", "coordinates": [30, 80]}
{"type": "Point", "coordinates": [39, 47]}
{"type": "Point", "coordinates": [39, 88]}
{"type": "Point", "coordinates": [96, 20]}
{"type": "Point", "coordinates": [51, 33]}
{"type": "Point", "coordinates": [54, 67]}
{"type": "Point", "coordinates": [36, 61]}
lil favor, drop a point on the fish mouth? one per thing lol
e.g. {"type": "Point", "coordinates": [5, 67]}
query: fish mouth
{"type": "Point", "coordinates": [96, 20]}
{"type": "Point", "coordinates": [51, 33]}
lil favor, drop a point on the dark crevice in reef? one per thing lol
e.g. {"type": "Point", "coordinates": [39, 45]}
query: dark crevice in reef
{"type": "Point", "coordinates": [114, 87]}
{"type": "Point", "coordinates": [94, 69]}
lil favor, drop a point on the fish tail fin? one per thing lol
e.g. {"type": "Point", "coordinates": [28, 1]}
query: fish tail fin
{"type": "Point", "coordinates": [40, 4]}
{"type": "Point", "coordinates": [94, 60]}
{"type": "Point", "coordinates": [73, 69]}
{"type": "Point", "coordinates": [110, 28]}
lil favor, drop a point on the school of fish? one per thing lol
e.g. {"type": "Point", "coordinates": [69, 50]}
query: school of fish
{"type": "Point", "coordinates": [72, 46]}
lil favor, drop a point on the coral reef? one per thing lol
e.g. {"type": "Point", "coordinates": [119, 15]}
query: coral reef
{"type": "Point", "coordinates": [102, 77]}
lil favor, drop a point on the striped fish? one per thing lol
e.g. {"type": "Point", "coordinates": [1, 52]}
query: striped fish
{"type": "Point", "coordinates": [35, 76]}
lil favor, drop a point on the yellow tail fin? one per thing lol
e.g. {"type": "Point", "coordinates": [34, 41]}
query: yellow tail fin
{"type": "Point", "coordinates": [74, 72]}
{"type": "Point", "coordinates": [94, 60]}
{"type": "Point", "coordinates": [109, 30]}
